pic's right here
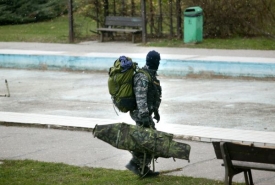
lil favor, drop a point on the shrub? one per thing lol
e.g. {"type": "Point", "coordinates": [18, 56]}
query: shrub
{"type": "Point", "coordinates": [26, 11]}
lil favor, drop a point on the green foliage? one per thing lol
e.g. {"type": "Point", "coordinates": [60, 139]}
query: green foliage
{"type": "Point", "coordinates": [222, 19]}
{"type": "Point", "coordinates": [97, 10]}
{"type": "Point", "coordinates": [226, 18]}
{"type": "Point", "coordinates": [91, 9]}
{"type": "Point", "coordinates": [26, 11]}
{"type": "Point", "coordinates": [28, 172]}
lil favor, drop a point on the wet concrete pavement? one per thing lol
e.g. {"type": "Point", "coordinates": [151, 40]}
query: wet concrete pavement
{"type": "Point", "coordinates": [222, 103]}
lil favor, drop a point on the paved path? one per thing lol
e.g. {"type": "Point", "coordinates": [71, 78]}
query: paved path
{"type": "Point", "coordinates": [195, 133]}
{"type": "Point", "coordinates": [127, 47]}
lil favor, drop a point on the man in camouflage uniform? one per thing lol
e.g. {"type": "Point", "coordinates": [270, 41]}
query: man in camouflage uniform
{"type": "Point", "coordinates": [147, 90]}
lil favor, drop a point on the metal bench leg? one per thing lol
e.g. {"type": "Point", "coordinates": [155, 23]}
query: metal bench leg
{"type": "Point", "coordinates": [248, 178]}
{"type": "Point", "coordinates": [111, 34]}
{"type": "Point", "coordinates": [101, 37]}
{"type": "Point", "coordinates": [228, 179]}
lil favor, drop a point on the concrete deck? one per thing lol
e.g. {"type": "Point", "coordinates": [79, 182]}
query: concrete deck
{"type": "Point", "coordinates": [174, 61]}
{"type": "Point", "coordinates": [194, 133]}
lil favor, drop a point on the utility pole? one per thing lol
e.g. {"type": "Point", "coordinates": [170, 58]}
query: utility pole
{"type": "Point", "coordinates": [71, 21]}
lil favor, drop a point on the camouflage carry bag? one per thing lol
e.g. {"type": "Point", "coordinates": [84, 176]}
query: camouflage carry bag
{"type": "Point", "coordinates": [140, 139]}
{"type": "Point", "coordinates": [120, 84]}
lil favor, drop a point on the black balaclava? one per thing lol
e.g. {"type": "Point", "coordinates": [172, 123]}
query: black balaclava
{"type": "Point", "coordinates": [152, 60]}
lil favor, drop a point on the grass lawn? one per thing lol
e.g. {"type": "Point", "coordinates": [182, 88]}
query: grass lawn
{"type": "Point", "coordinates": [53, 31]}
{"type": "Point", "coordinates": [57, 31]}
{"type": "Point", "coordinates": [257, 43]}
{"type": "Point", "coordinates": [26, 172]}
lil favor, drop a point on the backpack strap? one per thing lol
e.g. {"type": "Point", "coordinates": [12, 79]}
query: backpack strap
{"type": "Point", "coordinates": [155, 86]}
{"type": "Point", "coordinates": [146, 74]}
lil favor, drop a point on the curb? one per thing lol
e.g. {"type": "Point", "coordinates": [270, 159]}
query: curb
{"type": "Point", "coordinates": [182, 132]}
{"type": "Point", "coordinates": [171, 65]}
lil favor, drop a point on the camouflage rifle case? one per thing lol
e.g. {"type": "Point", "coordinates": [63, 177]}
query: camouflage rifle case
{"type": "Point", "coordinates": [135, 138]}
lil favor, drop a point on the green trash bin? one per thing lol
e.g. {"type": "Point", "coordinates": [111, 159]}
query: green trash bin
{"type": "Point", "coordinates": [193, 25]}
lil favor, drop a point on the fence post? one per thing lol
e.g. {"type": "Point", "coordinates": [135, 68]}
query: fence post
{"type": "Point", "coordinates": [71, 21]}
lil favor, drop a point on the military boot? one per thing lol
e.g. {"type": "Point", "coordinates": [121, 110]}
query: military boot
{"type": "Point", "coordinates": [133, 167]}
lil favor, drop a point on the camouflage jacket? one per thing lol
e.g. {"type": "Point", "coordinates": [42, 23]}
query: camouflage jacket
{"type": "Point", "coordinates": [147, 92]}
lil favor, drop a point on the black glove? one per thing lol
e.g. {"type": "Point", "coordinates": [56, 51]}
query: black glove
{"type": "Point", "coordinates": [156, 116]}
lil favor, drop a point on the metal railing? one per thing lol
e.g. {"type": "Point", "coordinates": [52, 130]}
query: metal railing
{"type": "Point", "coordinates": [8, 90]}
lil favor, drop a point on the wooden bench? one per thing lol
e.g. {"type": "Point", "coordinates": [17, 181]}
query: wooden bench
{"type": "Point", "coordinates": [122, 24]}
{"type": "Point", "coordinates": [239, 158]}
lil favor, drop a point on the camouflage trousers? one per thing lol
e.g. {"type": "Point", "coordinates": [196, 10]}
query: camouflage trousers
{"type": "Point", "coordinates": [138, 157]}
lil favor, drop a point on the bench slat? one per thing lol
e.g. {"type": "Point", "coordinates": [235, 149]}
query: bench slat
{"type": "Point", "coordinates": [255, 166]}
{"type": "Point", "coordinates": [120, 24]}
{"type": "Point", "coordinates": [119, 30]}
{"type": "Point", "coordinates": [123, 21]}
{"type": "Point", "coordinates": [247, 153]}
{"type": "Point", "coordinates": [238, 158]}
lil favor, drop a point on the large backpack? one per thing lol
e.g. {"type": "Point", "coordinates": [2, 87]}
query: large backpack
{"type": "Point", "coordinates": [120, 84]}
